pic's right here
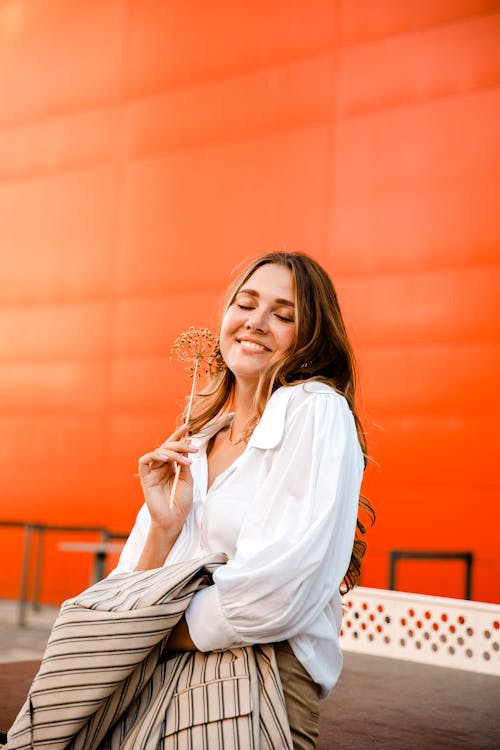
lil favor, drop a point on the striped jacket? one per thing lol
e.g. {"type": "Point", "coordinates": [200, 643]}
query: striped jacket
{"type": "Point", "coordinates": [104, 683]}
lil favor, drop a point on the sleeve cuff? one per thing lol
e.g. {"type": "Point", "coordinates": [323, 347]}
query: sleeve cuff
{"type": "Point", "coordinates": [207, 625]}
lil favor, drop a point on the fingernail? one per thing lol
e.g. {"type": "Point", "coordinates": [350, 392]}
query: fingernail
{"type": "Point", "coordinates": [163, 455]}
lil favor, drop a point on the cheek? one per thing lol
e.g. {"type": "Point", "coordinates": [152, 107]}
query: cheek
{"type": "Point", "coordinates": [227, 328]}
{"type": "Point", "coordinates": [289, 337]}
{"type": "Point", "coordinates": [285, 340]}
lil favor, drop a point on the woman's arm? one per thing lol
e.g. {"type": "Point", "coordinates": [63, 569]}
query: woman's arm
{"type": "Point", "coordinates": [295, 544]}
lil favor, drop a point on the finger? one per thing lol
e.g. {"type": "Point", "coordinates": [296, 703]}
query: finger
{"type": "Point", "coordinates": [163, 454]}
{"type": "Point", "coordinates": [182, 446]}
{"type": "Point", "coordinates": [179, 432]}
{"type": "Point", "coordinates": [154, 460]}
{"type": "Point", "coordinates": [146, 459]}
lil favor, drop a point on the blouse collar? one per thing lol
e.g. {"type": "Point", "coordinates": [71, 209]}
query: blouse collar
{"type": "Point", "coordinates": [269, 430]}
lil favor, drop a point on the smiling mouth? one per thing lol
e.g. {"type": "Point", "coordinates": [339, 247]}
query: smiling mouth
{"type": "Point", "coordinates": [252, 346]}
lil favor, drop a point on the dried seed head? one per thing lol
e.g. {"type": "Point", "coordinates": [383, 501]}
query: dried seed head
{"type": "Point", "coordinates": [198, 346]}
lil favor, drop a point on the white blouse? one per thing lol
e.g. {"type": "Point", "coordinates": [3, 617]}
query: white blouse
{"type": "Point", "coordinates": [285, 515]}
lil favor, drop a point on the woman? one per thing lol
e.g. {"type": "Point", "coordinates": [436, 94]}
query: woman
{"type": "Point", "coordinates": [271, 476]}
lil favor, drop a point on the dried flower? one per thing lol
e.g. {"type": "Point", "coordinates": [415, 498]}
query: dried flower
{"type": "Point", "coordinates": [200, 348]}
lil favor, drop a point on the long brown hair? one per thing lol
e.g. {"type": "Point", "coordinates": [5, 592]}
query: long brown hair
{"type": "Point", "coordinates": [320, 351]}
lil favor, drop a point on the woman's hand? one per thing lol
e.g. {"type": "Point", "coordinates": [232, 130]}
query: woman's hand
{"type": "Point", "coordinates": [179, 639]}
{"type": "Point", "coordinates": [157, 471]}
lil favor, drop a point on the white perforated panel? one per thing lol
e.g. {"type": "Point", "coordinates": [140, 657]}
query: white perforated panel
{"type": "Point", "coordinates": [435, 630]}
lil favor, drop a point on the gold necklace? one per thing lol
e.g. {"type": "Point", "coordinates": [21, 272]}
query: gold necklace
{"type": "Point", "coordinates": [243, 438]}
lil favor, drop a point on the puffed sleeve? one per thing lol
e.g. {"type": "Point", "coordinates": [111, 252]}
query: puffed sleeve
{"type": "Point", "coordinates": [131, 552]}
{"type": "Point", "coordinates": [296, 540]}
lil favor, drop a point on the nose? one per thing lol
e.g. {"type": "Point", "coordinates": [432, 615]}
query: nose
{"type": "Point", "coordinates": [256, 320]}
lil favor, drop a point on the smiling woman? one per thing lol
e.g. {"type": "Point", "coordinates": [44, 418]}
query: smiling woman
{"type": "Point", "coordinates": [264, 481]}
{"type": "Point", "coordinates": [271, 463]}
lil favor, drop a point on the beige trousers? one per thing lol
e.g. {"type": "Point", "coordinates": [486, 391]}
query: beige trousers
{"type": "Point", "coordinates": [301, 698]}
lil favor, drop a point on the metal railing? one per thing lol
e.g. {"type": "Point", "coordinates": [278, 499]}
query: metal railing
{"type": "Point", "coordinates": [466, 557]}
{"type": "Point", "coordinates": [34, 537]}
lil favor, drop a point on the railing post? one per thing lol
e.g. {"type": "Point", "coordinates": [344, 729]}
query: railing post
{"type": "Point", "coordinates": [37, 579]}
{"type": "Point", "coordinates": [25, 575]}
{"type": "Point", "coordinates": [469, 559]}
{"type": "Point", "coordinates": [392, 569]}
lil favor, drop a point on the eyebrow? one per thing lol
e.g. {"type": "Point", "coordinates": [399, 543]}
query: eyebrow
{"type": "Point", "coordinates": [254, 293]}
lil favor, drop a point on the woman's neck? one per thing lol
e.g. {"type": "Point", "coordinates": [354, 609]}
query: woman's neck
{"type": "Point", "coordinates": [243, 405]}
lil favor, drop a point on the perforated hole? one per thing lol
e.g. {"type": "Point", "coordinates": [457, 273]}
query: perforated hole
{"type": "Point", "coordinates": [490, 642]}
{"type": "Point", "coordinates": [366, 621]}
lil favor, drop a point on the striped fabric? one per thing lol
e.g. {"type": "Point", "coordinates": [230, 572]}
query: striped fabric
{"type": "Point", "coordinates": [103, 683]}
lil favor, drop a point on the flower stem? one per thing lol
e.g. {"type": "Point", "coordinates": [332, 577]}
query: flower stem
{"type": "Point", "coordinates": [188, 416]}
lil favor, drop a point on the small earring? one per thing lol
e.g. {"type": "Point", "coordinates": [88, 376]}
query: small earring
{"type": "Point", "coordinates": [305, 365]}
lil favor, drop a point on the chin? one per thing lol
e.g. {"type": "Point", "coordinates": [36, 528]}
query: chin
{"type": "Point", "coordinates": [247, 374]}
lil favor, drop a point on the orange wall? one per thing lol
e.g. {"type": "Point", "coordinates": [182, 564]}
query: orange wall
{"type": "Point", "coordinates": [148, 147]}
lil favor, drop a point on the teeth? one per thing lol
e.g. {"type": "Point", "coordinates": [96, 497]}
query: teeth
{"type": "Point", "coordinates": [253, 346]}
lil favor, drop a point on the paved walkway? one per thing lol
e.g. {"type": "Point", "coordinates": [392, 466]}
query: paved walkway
{"type": "Point", "coordinates": [379, 703]}
{"type": "Point", "coordinates": [26, 643]}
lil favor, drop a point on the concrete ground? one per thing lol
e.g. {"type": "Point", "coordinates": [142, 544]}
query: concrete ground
{"type": "Point", "coordinates": [378, 703]}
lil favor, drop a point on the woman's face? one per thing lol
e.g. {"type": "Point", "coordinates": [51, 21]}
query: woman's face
{"type": "Point", "coordinates": [259, 326]}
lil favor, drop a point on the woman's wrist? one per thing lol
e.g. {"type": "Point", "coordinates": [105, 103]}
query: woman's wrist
{"type": "Point", "coordinates": [158, 544]}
